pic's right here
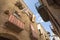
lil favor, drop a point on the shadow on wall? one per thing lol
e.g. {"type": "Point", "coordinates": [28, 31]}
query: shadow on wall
{"type": "Point", "coordinates": [6, 36]}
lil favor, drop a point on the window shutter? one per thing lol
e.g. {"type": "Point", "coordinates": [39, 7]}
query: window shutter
{"type": "Point", "coordinates": [15, 24]}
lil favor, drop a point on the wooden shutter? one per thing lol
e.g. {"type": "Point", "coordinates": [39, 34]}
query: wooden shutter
{"type": "Point", "coordinates": [14, 23]}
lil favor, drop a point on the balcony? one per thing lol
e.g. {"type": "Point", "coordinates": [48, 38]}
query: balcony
{"type": "Point", "coordinates": [14, 24]}
{"type": "Point", "coordinates": [42, 10]}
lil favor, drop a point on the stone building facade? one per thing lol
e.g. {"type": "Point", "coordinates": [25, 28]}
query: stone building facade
{"type": "Point", "coordinates": [50, 11]}
{"type": "Point", "coordinates": [44, 35]}
{"type": "Point", "coordinates": [17, 22]}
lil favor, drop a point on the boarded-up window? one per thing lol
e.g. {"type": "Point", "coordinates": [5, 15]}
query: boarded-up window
{"type": "Point", "coordinates": [51, 2]}
{"type": "Point", "coordinates": [30, 16]}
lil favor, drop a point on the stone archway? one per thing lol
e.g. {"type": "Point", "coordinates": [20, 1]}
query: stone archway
{"type": "Point", "coordinates": [6, 36]}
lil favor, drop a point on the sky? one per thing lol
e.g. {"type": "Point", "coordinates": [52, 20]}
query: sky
{"type": "Point", "coordinates": [31, 6]}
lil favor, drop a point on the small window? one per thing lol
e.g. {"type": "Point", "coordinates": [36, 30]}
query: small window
{"type": "Point", "coordinates": [19, 5]}
{"type": "Point", "coordinates": [30, 16]}
{"type": "Point", "coordinates": [16, 14]}
{"type": "Point", "coordinates": [39, 30]}
{"type": "Point", "coordinates": [50, 2]}
{"type": "Point", "coordinates": [57, 2]}
{"type": "Point", "coordinates": [6, 12]}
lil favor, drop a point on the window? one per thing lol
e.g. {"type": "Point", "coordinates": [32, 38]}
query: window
{"type": "Point", "coordinates": [57, 2]}
{"type": "Point", "coordinates": [19, 5]}
{"type": "Point", "coordinates": [50, 2]}
{"type": "Point", "coordinates": [30, 16]}
{"type": "Point", "coordinates": [6, 12]}
{"type": "Point", "coordinates": [16, 14]}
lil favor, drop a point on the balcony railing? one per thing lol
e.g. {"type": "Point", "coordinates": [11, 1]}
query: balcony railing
{"type": "Point", "coordinates": [42, 10]}
{"type": "Point", "coordinates": [14, 24]}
